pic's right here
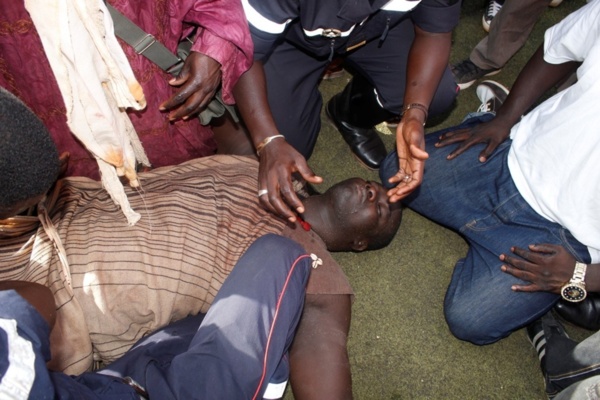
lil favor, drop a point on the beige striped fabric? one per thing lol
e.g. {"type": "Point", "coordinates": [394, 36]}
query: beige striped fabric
{"type": "Point", "coordinates": [197, 220]}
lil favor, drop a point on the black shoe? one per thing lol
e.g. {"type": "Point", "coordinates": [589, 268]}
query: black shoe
{"type": "Point", "coordinates": [492, 95]}
{"type": "Point", "coordinates": [466, 73]}
{"type": "Point", "coordinates": [365, 143]}
{"type": "Point", "coordinates": [585, 314]}
{"type": "Point", "coordinates": [538, 334]}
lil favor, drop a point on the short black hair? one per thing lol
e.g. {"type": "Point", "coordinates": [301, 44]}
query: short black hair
{"type": "Point", "coordinates": [28, 157]}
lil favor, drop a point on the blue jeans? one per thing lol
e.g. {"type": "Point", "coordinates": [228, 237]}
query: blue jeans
{"type": "Point", "coordinates": [481, 202]}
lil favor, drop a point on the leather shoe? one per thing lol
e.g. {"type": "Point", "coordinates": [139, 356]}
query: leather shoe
{"type": "Point", "coordinates": [585, 314]}
{"type": "Point", "coordinates": [365, 143]}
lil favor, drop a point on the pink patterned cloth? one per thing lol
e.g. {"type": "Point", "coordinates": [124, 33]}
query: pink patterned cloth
{"type": "Point", "coordinates": [223, 35]}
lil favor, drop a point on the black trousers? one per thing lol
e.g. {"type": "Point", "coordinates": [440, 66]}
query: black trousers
{"type": "Point", "coordinates": [293, 75]}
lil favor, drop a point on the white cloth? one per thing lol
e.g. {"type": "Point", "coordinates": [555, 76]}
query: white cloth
{"type": "Point", "coordinates": [97, 85]}
{"type": "Point", "coordinates": [556, 147]}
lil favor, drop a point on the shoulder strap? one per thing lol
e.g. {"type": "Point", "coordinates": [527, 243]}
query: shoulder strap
{"type": "Point", "coordinates": [144, 43]}
{"type": "Point", "coordinates": [147, 45]}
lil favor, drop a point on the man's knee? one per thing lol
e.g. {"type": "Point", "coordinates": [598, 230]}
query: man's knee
{"type": "Point", "coordinates": [468, 322]}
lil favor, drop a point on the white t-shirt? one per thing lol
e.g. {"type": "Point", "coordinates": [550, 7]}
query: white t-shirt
{"type": "Point", "coordinates": [555, 154]}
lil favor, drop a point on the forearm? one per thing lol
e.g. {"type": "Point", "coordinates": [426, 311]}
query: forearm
{"type": "Point", "coordinates": [251, 97]}
{"type": "Point", "coordinates": [319, 364]}
{"type": "Point", "coordinates": [535, 79]}
{"type": "Point", "coordinates": [428, 58]}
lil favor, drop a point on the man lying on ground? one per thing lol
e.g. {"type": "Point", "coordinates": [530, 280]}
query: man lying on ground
{"type": "Point", "coordinates": [114, 283]}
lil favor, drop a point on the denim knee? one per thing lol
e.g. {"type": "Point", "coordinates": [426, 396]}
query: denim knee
{"type": "Point", "coordinates": [469, 328]}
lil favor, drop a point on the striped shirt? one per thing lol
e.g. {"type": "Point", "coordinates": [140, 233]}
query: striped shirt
{"type": "Point", "coordinates": [198, 218]}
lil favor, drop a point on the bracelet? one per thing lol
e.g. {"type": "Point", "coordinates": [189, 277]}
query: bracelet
{"type": "Point", "coordinates": [265, 142]}
{"type": "Point", "coordinates": [418, 106]}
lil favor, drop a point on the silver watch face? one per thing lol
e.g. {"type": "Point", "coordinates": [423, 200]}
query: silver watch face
{"type": "Point", "coordinates": [573, 293]}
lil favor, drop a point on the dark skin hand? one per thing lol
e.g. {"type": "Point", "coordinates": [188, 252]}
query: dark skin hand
{"type": "Point", "coordinates": [278, 160]}
{"type": "Point", "coordinates": [197, 83]}
{"type": "Point", "coordinates": [547, 267]}
{"type": "Point", "coordinates": [492, 133]}
{"type": "Point", "coordinates": [535, 79]}
{"type": "Point", "coordinates": [427, 61]}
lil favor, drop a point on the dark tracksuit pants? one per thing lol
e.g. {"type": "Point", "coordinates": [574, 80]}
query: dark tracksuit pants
{"type": "Point", "coordinates": [234, 352]}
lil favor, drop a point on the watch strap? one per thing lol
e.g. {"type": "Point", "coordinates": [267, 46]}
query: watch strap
{"type": "Point", "coordinates": [579, 273]}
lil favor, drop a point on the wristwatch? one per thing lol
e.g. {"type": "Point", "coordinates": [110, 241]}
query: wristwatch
{"type": "Point", "coordinates": [574, 290]}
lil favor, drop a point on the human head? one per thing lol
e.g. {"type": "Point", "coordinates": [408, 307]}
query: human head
{"type": "Point", "coordinates": [28, 157]}
{"type": "Point", "coordinates": [354, 215]}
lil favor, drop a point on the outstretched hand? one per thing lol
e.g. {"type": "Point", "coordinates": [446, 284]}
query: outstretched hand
{"type": "Point", "coordinates": [410, 145]}
{"type": "Point", "coordinates": [278, 161]}
{"type": "Point", "coordinates": [198, 82]}
{"type": "Point", "coordinates": [546, 266]}
{"type": "Point", "coordinates": [492, 133]}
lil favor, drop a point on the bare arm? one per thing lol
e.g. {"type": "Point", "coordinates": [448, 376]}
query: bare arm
{"type": "Point", "coordinates": [39, 296]}
{"type": "Point", "coordinates": [536, 78]}
{"type": "Point", "coordinates": [320, 368]}
{"type": "Point", "coordinates": [278, 160]}
{"type": "Point", "coordinates": [428, 59]}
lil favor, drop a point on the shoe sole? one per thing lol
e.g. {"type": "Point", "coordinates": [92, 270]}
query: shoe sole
{"type": "Point", "coordinates": [498, 85]}
{"type": "Point", "coordinates": [466, 85]}
{"type": "Point", "coordinates": [485, 25]}
{"type": "Point", "coordinates": [333, 125]}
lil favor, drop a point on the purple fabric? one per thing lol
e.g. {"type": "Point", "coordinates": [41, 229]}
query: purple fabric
{"type": "Point", "coordinates": [25, 71]}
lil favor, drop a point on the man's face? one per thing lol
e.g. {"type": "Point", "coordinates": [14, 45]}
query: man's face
{"type": "Point", "coordinates": [362, 207]}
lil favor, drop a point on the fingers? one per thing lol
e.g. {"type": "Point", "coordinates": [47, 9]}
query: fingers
{"type": "Point", "coordinates": [278, 162]}
{"type": "Point", "coordinates": [198, 82]}
{"type": "Point", "coordinates": [193, 104]}
{"type": "Point", "coordinates": [530, 254]}
{"type": "Point", "coordinates": [515, 268]}
{"type": "Point", "coordinates": [487, 152]}
{"type": "Point", "coordinates": [545, 248]}
{"type": "Point", "coordinates": [281, 199]}
{"type": "Point", "coordinates": [406, 184]}
{"type": "Point", "coordinates": [307, 173]}
{"type": "Point", "coordinates": [452, 137]}
{"type": "Point", "coordinates": [189, 100]}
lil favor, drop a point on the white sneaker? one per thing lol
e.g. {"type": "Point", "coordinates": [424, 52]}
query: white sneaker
{"type": "Point", "coordinates": [555, 3]}
{"type": "Point", "coordinates": [493, 8]}
{"type": "Point", "coordinates": [492, 95]}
